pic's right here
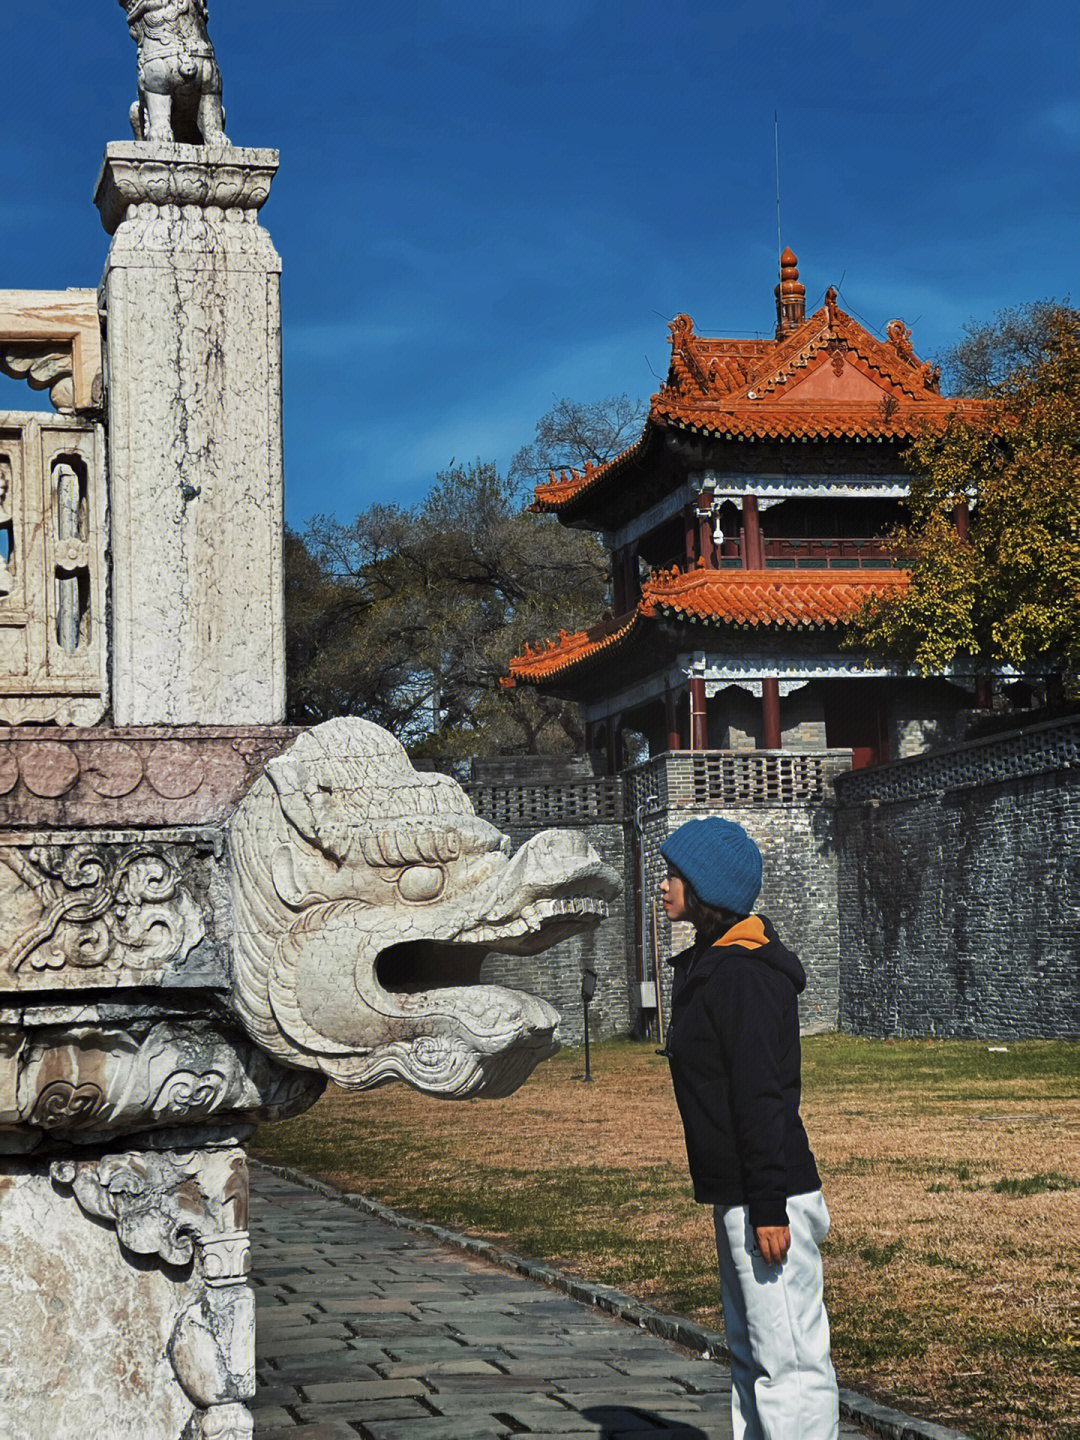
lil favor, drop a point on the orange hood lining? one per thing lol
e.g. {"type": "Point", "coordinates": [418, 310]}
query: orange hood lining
{"type": "Point", "coordinates": [748, 933]}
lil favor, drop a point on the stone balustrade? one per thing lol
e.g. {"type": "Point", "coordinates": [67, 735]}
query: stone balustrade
{"type": "Point", "coordinates": [52, 570]}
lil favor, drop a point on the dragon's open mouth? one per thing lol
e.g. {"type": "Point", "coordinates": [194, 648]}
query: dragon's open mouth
{"type": "Point", "coordinates": [418, 965]}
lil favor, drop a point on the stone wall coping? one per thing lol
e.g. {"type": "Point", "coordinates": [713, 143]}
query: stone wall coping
{"type": "Point", "coordinates": [910, 766]}
{"type": "Point", "coordinates": [63, 733]}
{"type": "Point", "coordinates": [840, 755]}
{"type": "Point", "coordinates": [879, 1419]}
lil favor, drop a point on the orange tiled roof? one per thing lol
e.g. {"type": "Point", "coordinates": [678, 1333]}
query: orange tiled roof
{"type": "Point", "coordinates": [745, 599]}
{"type": "Point", "coordinates": [561, 486]}
{"type": "Point", "coordinates": [830, 378]}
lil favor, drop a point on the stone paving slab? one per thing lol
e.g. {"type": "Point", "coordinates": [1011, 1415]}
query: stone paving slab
{"type": "Point", "coordinates": [366, 1331]}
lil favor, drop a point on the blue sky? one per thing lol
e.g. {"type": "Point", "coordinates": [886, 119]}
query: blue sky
{"type": "Point", "coordinates": [484, 207]}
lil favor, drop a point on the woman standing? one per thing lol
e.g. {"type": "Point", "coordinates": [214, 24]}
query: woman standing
{"type": "Point", "coordinates": [733, 1044]}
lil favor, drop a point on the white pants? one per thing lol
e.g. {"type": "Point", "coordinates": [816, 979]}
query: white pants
{"type": "Point", "coordinates": [783, 1386]}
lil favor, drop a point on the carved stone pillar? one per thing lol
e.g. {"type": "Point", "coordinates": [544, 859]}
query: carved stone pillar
{"type": "Point", "coordinates": [138, 1258]}
{"type": "Point", "coordinates": [194, 411]}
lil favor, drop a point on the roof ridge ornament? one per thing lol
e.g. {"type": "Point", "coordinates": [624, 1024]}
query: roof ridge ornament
{"type": "Point", "coordinates": [790, 296]}
{"type": "Point", "coordinates": [900, 336]}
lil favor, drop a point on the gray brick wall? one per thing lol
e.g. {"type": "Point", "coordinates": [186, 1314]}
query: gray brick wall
{"type": "Point", "coordinates": [938, 895]}
{"type": "Point", "coordinates": [798, 895]}
{"type": "Point", "coordinates": [959, 891]}
{"type": "Point", "coordinates": [555, 974]}
{"type": "Point", "coordinates": [785, 803]}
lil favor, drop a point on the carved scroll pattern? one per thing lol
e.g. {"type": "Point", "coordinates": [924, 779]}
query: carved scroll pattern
{"type": "Point", "coordinates": [188, 1208]}
{"type": "Point", "coordinates": [97, 909]}
{"type": "Point", "coordinates": [91, 1083]}
{"type": "Point", "coordinates": [44, 366]}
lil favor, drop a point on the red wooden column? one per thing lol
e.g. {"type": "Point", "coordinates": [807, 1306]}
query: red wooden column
{"type": "Point", "coordinates": [691, 535]}
{"type": "Point", "coordinates": [671, 715]}
{"type": "Point", "coordinates": [770, 714]}
{"type": "Point", "coordinates": [614, 735]}
{"type": "Point", "coordinates": [630, 577]}
{"type": "Point", "coordinates": [754, 559]}
{"type": "Point", "coordinates": [618, 588]}
{"type": "Point", "coordinates": [753, 546]}
{"type": "Point", "coordinates": [699, 721]}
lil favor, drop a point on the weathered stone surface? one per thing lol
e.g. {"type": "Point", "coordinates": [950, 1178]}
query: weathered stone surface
{"type": "Point", "coordinates": [153, 775]}
{"type": "Point", "coordinates": [194, 410]}
{"type": "Point", "coordinates": [959, 891]}
{"type": "Point", "coordinates": [179, 79]}
{"type": "Point", "coordinates": [123, 1297]}
{"type": "Point", "coordinates": [52, 566]}
{"type": "Point", "coordinates": [366, 897]}
{"type": "Point", "coordinates": [167, 1079]}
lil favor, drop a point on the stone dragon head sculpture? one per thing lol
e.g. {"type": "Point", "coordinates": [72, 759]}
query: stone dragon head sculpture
{"type": "Point", "coordinates": [366, 896]}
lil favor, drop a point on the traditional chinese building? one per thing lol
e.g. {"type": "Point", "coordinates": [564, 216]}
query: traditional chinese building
{"type": "Point", "coordinates": [745, 528]}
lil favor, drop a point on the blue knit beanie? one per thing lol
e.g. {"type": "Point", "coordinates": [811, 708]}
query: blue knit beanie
{"type": "Point", "coordinates": [719, 860]}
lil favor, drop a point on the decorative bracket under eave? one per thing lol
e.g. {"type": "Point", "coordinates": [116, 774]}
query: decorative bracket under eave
{"type": "Point", "coordinates": [52, 339]}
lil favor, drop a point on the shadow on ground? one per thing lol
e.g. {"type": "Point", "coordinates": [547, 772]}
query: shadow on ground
{"type": "Point", "coordinates": [630, 1422]}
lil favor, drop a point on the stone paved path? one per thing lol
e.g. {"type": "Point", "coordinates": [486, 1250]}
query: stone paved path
{"type": "Point", "coordinates": [368, 1330]}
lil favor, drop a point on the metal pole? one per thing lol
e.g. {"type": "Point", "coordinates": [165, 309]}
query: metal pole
{"type": "Point", "coordinates": [588, 990]}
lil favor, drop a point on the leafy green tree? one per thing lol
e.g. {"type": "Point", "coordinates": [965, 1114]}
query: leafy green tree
{"type": "Point", "coordinates": [1007, 593]}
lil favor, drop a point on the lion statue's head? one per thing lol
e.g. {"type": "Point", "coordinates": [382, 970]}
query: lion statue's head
{"type": "Point", "coordinates": [365, 898]}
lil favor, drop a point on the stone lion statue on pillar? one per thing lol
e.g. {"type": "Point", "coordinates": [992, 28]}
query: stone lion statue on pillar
{"type": "Point", "coordinates": [179, 80]}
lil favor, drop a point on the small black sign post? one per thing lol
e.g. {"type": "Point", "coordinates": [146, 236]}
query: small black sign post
{"type": "Point", "coordinates": [588, 990]}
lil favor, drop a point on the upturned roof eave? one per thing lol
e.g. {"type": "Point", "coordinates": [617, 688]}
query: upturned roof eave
{"type": "Point", "coordinates": [579, 653]}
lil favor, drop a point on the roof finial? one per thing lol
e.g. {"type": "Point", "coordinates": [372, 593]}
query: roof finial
{"type": "Point", "coordinates": [790, 296]}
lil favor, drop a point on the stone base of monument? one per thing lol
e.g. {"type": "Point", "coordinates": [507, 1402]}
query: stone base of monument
{"type": "Point", "coordinates": [124, 1304]}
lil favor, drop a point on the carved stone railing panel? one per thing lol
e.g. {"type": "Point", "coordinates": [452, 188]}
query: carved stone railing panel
{"type": "Point", "coordinates": [52, 340]}
{"type": "Point", "coordinates": [52, 570]}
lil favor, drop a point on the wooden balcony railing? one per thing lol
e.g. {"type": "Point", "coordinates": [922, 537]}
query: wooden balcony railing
{"type": "Point", "coordinates": [784, 553]}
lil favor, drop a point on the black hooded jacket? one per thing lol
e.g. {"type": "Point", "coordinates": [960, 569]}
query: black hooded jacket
{"type": "Point", "coordinates": [735, 1059]}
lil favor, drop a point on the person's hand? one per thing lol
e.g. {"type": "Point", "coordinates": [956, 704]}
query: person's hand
{"type": "Point", "coordinates": [774, 1241]}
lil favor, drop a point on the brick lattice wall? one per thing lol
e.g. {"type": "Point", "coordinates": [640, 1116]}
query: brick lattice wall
{"type": "Point", "coordinates": [786, 802]}
{"type": "Point", "coordinates": [522, 795]}
{"type": "Point", "coordinates": [959, 891]}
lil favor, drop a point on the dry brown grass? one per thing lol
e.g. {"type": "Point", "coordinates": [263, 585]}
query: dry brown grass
{"type": "Point", "coordinates": [947, 1296]}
